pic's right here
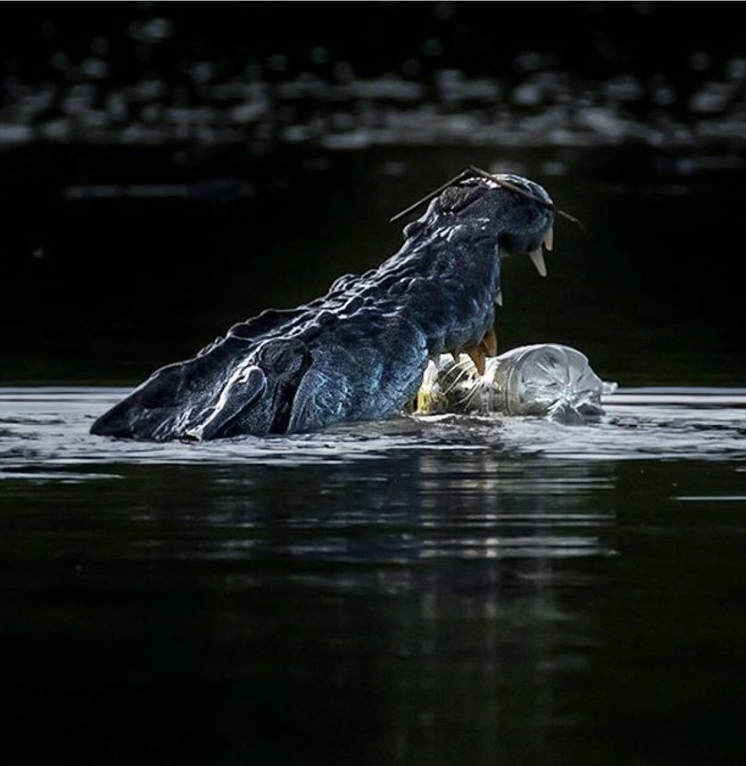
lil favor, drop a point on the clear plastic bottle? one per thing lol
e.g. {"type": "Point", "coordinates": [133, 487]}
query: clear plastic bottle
{"type": "Point", "coordinates": [547, 380]}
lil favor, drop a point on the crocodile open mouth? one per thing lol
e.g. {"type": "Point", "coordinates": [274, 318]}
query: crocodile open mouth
{"type": "Point", "coordinates": [537, 257]}
{"type": "Point", "coordinates": [535, 246]}
{"type": "Point", "coordinates": [518, 186]}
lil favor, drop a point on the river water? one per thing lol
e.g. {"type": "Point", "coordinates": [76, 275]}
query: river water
{"type": "Point", "coordinates": [445, 590]}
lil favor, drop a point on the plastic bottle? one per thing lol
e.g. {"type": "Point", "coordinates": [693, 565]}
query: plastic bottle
{"type": "Point", "coordinates": [547, 380]}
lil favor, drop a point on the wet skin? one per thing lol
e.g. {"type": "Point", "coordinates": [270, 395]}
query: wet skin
{"type": "Point", "coordinates": [359, 352]}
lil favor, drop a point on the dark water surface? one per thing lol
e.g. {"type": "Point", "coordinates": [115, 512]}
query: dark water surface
{"type": "Point", "coordinates": [441, 591]}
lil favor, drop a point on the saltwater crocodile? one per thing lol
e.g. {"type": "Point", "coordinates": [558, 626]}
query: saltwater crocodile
{"type": "Point", "coordinates": [359, 352]}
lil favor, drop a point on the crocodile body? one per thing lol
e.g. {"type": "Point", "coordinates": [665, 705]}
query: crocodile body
{"type": "Point", "coordinates": [359, 352]}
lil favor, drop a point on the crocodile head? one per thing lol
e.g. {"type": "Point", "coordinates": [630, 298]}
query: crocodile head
{"type": "Point", "coordinates": [517, 212]}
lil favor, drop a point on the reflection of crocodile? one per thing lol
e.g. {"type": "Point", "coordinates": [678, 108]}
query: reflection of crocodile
{"type": "Point", "coordinates": [359, 352]}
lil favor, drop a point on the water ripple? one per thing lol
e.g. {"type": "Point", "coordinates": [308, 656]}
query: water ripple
{"type": "Point", "coordinates": [47, 429]}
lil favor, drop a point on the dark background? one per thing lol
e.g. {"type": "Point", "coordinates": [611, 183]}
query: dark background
{"type": "Point", "coordinates": [169, 169]}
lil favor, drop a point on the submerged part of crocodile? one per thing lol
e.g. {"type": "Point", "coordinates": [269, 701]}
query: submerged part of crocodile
{"type": "Point", "coordinates": [359, 352]}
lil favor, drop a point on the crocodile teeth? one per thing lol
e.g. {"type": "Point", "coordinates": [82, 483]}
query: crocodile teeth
{"type": "Point", "coordinates": [537, 256]}
{"type": "Point", "coordinates": [499, 298]}
{"type": "Point", "coordinates": [489, 342]}
{"type": "Point", "coordinates": [549, 238]}
{"type": "Point", "coordinates": [476, 353]}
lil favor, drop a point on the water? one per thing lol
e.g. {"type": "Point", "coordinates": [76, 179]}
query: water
{"type": "Point", "coordinates": [448, 590]}
{"type": "Point", "coordinates": [48, 427]}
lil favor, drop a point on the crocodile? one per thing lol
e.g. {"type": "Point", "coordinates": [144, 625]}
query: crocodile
{"type": "Point", "coordinates": [359, 352]}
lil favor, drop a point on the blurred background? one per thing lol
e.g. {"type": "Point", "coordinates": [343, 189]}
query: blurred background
{"type": "Point", "coordinates": [169, 169]}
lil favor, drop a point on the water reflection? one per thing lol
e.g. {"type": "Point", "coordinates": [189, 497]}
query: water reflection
{"type": "Point", "coordinates": [409, 514]}
{"type": "Point", "coordinates": [434, 595]}
{"type": "Point", "coordinates": [406, 595]}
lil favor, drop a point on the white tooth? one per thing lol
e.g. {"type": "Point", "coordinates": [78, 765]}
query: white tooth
{"type": "Point", "coordinates": [499, 298]}
{"type": "Point", "coordinates": [549, 238]}
{"type": "Point", "coordinates": [538, 259]}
